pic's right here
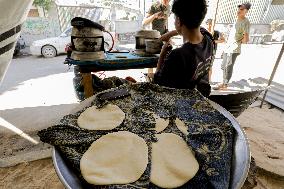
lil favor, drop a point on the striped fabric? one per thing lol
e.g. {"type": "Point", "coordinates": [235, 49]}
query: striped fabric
{"type": "Point", "coordinates": [10, 33]}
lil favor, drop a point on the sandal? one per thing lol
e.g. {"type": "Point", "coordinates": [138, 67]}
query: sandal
{"type": "Point", "coordinates": [221, 87]}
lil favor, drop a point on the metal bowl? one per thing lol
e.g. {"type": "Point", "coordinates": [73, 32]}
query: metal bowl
{"type": "Point", "coordinates": [236, 103]}
{"type": "Point", "coordinates": [142, 35]}
{"type": "Point", "coordinates": [240, 161]}
{"type": "Point", "coordinates": [153, 46]}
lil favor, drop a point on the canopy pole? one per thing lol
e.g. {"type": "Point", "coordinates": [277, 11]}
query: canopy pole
{"type": "Point", "coordinates": [272, 74]}
{"type": "Point", "coordinates": [144, 8]}
{"type": "Point", "coordinates": [215, 17]}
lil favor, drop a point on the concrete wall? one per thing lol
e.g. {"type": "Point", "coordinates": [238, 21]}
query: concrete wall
{"type": "Point", "coordinates": [127, 26]}
{"type": "Point", "coordinates": [39, 28]}
{"type": "Point", "coordinates": [260, 29]}
{"type": "Point", "coordinates": [35, 28]}
{"type": "Point", "coordinates": [254, 29]}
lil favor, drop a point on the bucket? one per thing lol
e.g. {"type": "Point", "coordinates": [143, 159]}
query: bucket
{"type": "Point", "coordinates": [87, 39]}
{"type": "Point", "coordinates": [153, 46]}
{"type": "Point", "coordinates": [142, 35]}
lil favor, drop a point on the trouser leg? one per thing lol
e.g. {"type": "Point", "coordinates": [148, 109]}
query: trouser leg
{"type": "Point", "coordinates": [224, 65]}
{"type": "Point", "coordinates": [228, 65]}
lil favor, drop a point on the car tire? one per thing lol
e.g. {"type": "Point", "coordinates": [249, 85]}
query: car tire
{"type": "Point", "coordinates": [48, 51]}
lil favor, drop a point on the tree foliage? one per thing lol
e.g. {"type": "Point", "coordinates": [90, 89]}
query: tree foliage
{"type": "Point", "coordinates": [45, 4]}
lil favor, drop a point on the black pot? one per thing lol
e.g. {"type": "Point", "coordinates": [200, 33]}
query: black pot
{"type": "Point", "coordinates": [140, 42]}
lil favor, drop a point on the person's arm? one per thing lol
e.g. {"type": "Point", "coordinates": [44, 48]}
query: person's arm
{"type": "Point", "coordinates": [246, 38]}
{"type": "Point", "coordinates": [221, 39]}
{"type": "Point", "coordinates": [166, 48]}
{"type": "Point", "coordinates": [149, 19]}
{"type": "Point", "coordinates": [166, 37]}
{"type": "Point", "coordinates": [167, 74]}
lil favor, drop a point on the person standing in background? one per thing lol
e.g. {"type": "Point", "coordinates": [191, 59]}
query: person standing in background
{"type": "Point", "coordinates": [158, 16]}
{"type": "Point", "coordinates": [239, 34]}
{"type": "Point", "coordinates": [217, 36]}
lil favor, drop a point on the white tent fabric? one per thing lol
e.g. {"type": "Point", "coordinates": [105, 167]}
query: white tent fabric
{"type": "Point", "coordinates": [277, 2]}
{"type": "Point", "coordinates": [12, 14]}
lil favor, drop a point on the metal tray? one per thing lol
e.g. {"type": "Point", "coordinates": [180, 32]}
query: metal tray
{"type": "Point", "coordinates": [240, 164]}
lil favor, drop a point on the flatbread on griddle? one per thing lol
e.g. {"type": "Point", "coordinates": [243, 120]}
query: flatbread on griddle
{"type": "Point", "coordinates": [160, 123]}
{"type": "Point", "coordinates": [173, 163]}
{"type": "Point", "coordinates": [181, 126]}
{"type": "Point", "coordinates": [105, 118]}
{"type": "Point", "coordinates": [115, 158]}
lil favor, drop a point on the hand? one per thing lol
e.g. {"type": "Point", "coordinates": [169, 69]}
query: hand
{"type": "Point", "coordinates": [167, 47]}
{"type": "Point", "coordinates": [165, 50]}
{"type": "Point", "coordinates": [159, 15]}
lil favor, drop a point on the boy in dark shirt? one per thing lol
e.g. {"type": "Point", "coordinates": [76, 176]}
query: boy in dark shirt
{"type": "Point", "coordinates": [187, 67]}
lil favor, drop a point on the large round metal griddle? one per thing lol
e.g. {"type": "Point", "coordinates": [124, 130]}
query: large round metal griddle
{"type": "Point", "coordinates": [240, 161]}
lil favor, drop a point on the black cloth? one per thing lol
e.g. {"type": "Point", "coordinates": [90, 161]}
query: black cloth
{"type": "Point", "coordinates": [216, 35]}
{"type": "Point", "coordinates": [80, 22]}
{"type": "Point", "coordinates": [187, 67]}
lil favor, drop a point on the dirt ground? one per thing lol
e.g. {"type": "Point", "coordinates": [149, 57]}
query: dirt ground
{"type": "Point", "coordinates": [38, 174]}
{"type": "Point", "coordinates": [264, 128]}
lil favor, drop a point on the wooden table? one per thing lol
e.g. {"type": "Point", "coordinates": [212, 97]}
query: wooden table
{"type": "Point", "coordinates": [113, 61]}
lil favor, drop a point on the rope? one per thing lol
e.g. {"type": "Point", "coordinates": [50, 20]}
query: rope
{"type": "Point", "coordinates": [111, 40]}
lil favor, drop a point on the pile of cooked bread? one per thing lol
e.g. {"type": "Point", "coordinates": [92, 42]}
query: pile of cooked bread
{"type": "Point", "coordinates": [122, 157]}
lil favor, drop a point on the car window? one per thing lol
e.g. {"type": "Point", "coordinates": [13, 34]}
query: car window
{"type": "Point", "coordinates": [68, 32]}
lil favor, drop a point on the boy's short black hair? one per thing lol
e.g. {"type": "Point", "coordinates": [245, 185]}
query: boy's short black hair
{"type": "Point", "coordinates": [190, 12]}
{"type": "Point", "coordinates": [246, 5]}
{"type": "Point", "coordinates": [209, 20]}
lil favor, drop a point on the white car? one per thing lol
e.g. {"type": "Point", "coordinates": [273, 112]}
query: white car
{"type": "Point", "coordinates": [50, 47]}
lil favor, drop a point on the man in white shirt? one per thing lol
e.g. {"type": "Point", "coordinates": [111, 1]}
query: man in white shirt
{"type": "Point", "coordinates": [239, 35]}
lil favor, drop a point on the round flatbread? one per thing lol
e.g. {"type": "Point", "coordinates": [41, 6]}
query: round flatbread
{"type": "Point", "coordinates": [181, 126]}
{"type": "Point", "coordinates": [105, 118]}
{"type": "Point", "coordinates": [115, 158]}
{"type": "Point", "coordinates": [160, 123]}
{"type": "Point", "coordinates": [173, 163]}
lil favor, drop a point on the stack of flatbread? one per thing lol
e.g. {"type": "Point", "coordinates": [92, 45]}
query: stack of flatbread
{"type": "Point", "coordinates": [122, 157]}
